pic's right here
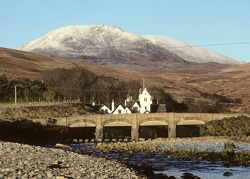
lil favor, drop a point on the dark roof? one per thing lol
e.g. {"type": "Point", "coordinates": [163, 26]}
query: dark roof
{"type": "Point", "coordinates": [128, 108]}
{"type": "Point", "coordinates": [146, 112]}
{"type": "Point", "coordinates": [162, 108]}
{"type": "Point", "coordinates": [97, 107]}
{"type": "Point", "coordinates": [131, 103]}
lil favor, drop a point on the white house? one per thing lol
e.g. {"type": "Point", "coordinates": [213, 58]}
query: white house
{"type": "Point", "coordinates": [133, 105]}
{"type": "Point", "coordinates": [121, 110]}
{"type": "Point", "coordinates": [101, 108]}
{"type": "Point", "coordinates": [127, 110]}
{"type": "Point", "coordinates": [145, 101]}
{"type": "Point", "coordinates": [143, 105]}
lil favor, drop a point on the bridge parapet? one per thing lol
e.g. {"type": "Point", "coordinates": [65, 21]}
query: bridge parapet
{"type": "Point", "coordinates": [137, 120]}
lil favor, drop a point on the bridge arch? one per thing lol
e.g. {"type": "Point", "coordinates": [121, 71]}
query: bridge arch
{"type": "Point", "coordinates": [82, 123]}
{"type": "Point", "coordinates": [153, 121]}
{"type": "Point", "coordinates": [117, 122]}
{"type": "Point", "coordinates": [191, 122]}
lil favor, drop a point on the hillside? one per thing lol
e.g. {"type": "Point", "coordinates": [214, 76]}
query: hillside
{"type": "Point", "coordinates": [113, 47]}
{"type": "Point", "coordinates": [17, 64]}
{"type": "Point", "coordinates": [181, 83]}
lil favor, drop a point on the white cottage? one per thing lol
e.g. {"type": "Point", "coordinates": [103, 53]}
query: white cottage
{"type": "Point", "coordinates": [121, 110]}
{"type": "Point", "coordinates": [102, 108]}
{"type": "Point", "coordinates": [143, 105]}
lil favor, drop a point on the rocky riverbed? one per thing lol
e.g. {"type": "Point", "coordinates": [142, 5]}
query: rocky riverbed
{"type": "Point", "coordinates": [27, 161]}
{"type": "Point", "coordinates": [179, 158]}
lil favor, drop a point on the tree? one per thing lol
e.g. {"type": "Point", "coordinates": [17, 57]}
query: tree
{"type": "Point", "coordinates": [5, 88]}
{"type": "Point", "coordinates": [49, 95]}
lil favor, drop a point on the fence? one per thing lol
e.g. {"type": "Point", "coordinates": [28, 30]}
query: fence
{"type": "Point", "coordinates": [41, 103]}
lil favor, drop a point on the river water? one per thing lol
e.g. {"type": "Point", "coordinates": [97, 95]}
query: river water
{"type": "Point", "coordinates": [177, 165]}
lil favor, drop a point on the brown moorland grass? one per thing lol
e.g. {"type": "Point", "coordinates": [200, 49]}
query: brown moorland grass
{"type": "Point", "coordinates": [181, 82]}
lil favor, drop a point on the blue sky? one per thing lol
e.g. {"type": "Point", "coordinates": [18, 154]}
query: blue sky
{"type": "Point", "coordinates": [198, 22]}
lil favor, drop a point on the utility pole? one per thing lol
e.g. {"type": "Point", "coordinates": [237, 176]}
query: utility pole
{"type": "Point", "coordinates": [15, 95]}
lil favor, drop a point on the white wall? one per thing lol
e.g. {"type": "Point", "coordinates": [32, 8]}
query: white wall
{"type": "Point", "coordinates": [119, 110]}
{"type": "Point", "coordinates": [105, 109]}
{"type": "Point", "coordinates": [145, 101]}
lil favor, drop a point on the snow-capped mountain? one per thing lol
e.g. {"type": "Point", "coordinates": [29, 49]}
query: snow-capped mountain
{"type": "Point", "coordinates": [190, 52]}
{"type": "Point", "coordinates": [103, 45]}
{"type": "Point", "coordinates": [111, 46]}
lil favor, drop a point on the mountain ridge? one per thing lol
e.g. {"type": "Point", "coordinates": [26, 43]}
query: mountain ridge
{"type": "Point", "coordinates": [192, 53]}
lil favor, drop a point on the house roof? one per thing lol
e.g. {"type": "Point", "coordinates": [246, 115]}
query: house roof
{"type": "Point", "coordinates": [97, 107]}
{"type": "Point", "coordinates": [128, 108]}
{"type": "Point", "coordinates": [117, 107]}
{"type": "Point", "coordinates": [130, 104]}
{"type": "Point", "coordinates": [161, 108]}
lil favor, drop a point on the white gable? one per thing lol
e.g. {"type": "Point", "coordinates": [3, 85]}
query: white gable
{"type": "Point", "coordinates": [127, 111]}
{"type": "Point", "coordinates": [145, 101]}
{"type": "Point", "coordinates": [119, 110]}
{"type": "Point", "coordinates": [135, 107]}
{"type": "Point", "coordinates": [104, 110]}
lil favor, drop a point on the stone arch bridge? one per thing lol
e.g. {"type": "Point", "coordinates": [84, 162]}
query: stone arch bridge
{"type": "Point", "coordinates": [136, 120]}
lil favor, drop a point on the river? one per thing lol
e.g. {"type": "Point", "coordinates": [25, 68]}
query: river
{"type": "Point", "coordinates": [177, 165]}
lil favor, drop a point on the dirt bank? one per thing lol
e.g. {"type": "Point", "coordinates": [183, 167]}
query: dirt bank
{"type": "Point", "coordinates": [50, 111]}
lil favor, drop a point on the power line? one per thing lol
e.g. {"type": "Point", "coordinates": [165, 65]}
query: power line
{"type": "Point", "coordinates": [98, 90]}
{"type": "Point", "coordinates": [206, 45]}
{"type": "Point", "coordinates": [193, 46]}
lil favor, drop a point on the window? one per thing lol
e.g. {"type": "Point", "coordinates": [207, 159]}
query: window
{"type": "Point", "coordinates": [145, 108]}
{"type": "Point", "coordinates": [145, 99]}
{"type": "Point", "coordinates": [119, 111]}
{"type": "Point", "coordinates": [102, 111]}
{"type": "Point", "coordinates": [106, 111]}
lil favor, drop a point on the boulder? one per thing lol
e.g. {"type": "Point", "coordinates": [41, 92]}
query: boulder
{"type": "Point", "coordinates": [229, 146]}
{"type": "Point", "coordinates": [227, 174]}
{"type": "Point", "coordinates": [63, 146]}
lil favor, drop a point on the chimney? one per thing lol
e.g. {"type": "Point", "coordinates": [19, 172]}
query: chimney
{"type": "Point", "coordinates": [113, 105]}
{"type": "Point", "coordinates": [125, 103]}
{"type": "Point", "coordinates": [139, 91]}
{"type": "Point", "coordinates": [93, 103]}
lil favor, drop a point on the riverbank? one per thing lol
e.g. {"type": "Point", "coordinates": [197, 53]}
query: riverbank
{"type": "Point", "coordinates": [26, 161]}
{"type": "Point", "coordinates": [178, 157]}
{"type": "Point", "coordinates": [202, 148]}
{"type": "Point", "coordinates": [45, 111]}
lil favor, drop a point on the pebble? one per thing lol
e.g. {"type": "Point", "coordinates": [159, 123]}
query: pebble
{"type": "Point", "coordinates": [26, 161]}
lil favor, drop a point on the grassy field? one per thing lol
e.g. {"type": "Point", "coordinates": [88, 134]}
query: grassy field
{"type": "Point", "coordinates": [25, 104]}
